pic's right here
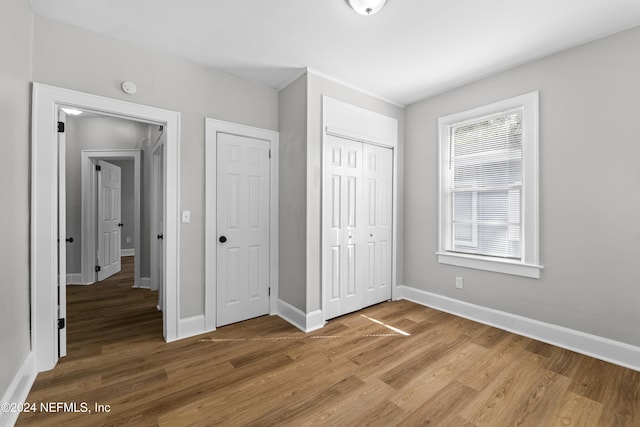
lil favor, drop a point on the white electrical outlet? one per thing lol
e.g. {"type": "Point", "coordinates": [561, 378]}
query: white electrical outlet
{"type": "Point", "coordinates": [186, 217]}
{"type": "Point", "coordinates": [459, 283]}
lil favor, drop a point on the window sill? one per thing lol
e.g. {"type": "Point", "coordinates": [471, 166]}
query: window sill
{"type": "Point", "coordinates": [497, 265]}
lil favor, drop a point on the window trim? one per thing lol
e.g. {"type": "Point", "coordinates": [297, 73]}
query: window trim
{"type": "Point", "coordinates": [528, 265]}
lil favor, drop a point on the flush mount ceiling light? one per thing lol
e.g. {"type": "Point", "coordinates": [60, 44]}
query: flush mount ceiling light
{"type": "Point", "coordinates": [366, 7]}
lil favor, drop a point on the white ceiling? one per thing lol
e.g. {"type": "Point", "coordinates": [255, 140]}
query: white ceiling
{"type": "Point", "coordinates": [408, 51]}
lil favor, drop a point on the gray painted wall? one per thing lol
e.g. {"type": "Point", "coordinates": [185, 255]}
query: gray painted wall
{"type": "Point", "coordinates": [589, 201]}
{"type": "Point", "coordinates": [127, 205]}
{"type": "Point", "coordinates": [66, 56]}
{"type": "Point", "coordinates": [16, 22]}
{"type": "Point", "coordinates": [318, 86]}
{"type": "Point", "coordinates": [292, 106]}
{"type": "Point", "coordinates": [104, 133]}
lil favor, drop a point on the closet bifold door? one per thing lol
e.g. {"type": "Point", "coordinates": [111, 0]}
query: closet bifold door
{"type": "Point", "coordinates": [342, 231]}
{"type": "Point", "coordinates": [357, 225]}
{"type": "Point", "coordinates": [377, 211]}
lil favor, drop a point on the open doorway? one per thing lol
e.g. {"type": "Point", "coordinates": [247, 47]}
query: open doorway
{"type": "Point", "coordinates": [48, 258]}
{"type": "Point", "coordinates": [108, 196]}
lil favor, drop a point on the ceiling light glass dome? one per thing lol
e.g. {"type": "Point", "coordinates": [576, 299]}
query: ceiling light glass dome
{"type": "Point", "coordinates": [366, 7]}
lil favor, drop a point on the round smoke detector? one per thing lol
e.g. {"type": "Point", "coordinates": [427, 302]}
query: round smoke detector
{"type": "Point", "coordinates": [129, 87]}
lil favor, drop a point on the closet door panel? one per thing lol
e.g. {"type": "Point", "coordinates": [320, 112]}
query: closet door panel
{"type": "Point", "coordinates": [378, 176]}
{"type": "Point", "coordinates": [342, 245]}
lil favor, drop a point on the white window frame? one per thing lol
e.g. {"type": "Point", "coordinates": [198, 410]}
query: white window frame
{"type": "Point", "coordinates": [528, 265]}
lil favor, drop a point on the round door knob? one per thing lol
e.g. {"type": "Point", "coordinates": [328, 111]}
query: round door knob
{"type": "Point", "coordinates": [70, 240]}
{"type": "Point", "coordinates": [222, 239]}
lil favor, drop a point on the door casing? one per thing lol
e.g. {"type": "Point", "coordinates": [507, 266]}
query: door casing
{"type": "Point", "coordinates": [44, 216]}
{"type": "Point", "coordinates": [212, 128]}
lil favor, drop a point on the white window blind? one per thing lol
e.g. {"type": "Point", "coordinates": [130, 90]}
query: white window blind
{"type": "Point", "coordinates": [486, 185]}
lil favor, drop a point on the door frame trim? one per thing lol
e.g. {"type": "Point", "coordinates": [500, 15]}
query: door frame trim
{"type": "Point", "coordinates": [89, 195]}
{"type": "Point", "coordinates": [212, 128]}
{"type": "Point", "coordinates": [44, 218]}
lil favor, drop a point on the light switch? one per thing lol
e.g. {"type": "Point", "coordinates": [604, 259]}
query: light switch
{"type": "Point", "coordinates": [186, 217]}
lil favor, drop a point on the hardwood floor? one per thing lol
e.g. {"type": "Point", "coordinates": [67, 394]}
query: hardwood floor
{"type": "Point", "coordinates": [448, 372]}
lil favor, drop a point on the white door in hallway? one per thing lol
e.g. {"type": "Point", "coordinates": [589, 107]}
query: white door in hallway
{"type": "Point", "coordinates": [243, 252]}
{"type": "Point", "coordinates": [62, 237]}
{"type": "Point", "coordinates": [157, 224]}
{"type": "Point", "coordinates": [109, 219]}
{"type": "Point", "coordinates": [357, 225]}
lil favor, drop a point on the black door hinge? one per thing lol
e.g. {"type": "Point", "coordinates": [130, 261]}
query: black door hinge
{"type": "Point", "coordinates": [60, 127]}
{"type": "Point", "coordinates": [98, 168]}
{"type": "Point", "coordinates": [61, 323]}
{"type": "Point", "coordinates": [269, 152]}
{"type": "Point", "coordinates": [98, 268]}
{"type": "Point", "coordinates": [269, 291]}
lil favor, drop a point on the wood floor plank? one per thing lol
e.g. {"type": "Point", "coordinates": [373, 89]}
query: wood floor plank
{"type": "Point", "coordinates": [495, 402]}
{"type": "Point", "coordinates": [621, 402]}
{"type": "Point", "coordinates": [448, 371]}
{"type": "Point", "coordinates": [427, 383]}
{"type": "Point", "coordinates": [591, 379]}
{"type": "Point", "coordinates": [372, 395]}
{"type": "Point", "coordinates": [576, 410]}
{"type": "Point", "coordinates": [442, 409]}
{"type": "Point", "coordinates": [501, 356]}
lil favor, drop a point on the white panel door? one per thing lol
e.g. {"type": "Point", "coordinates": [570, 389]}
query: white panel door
{"type": "Point", "coordinates": [109, 219]}
{"type": "Point", "coordinates": [343, 242]}
{"type": "Point", "coordinates": [157, 225]}
{"type": "Point", "coordinates": [243, 256]}
{"type": "Point", "coordinates": [62, 239]}
{"type": "Point", "coordinates": [378, 210]}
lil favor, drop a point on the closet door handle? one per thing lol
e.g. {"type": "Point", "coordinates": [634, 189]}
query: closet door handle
{"type": "Point", "coordinates": [222, 239]}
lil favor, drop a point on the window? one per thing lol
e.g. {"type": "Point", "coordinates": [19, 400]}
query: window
{"type": "Point", "coordinates": [489, 187]}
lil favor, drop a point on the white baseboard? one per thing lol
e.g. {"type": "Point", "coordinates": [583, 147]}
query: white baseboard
{"type": "Point", "coordinates": [145, 283]}
{"type": "Point", "coordinates": [19, 389]}
{"type": "Point", "coordinates": [128, 252]}
{"type": "Point", "coordinates": [191, 326]}
{"type": "Point", "coordinates": [315, 321]}
{"type": "Point", "coordinates": [606, 349]}
{"type": "Point", "coordinates": [295, 316]}
{"type": "Point", "coordinates": [75, 279]}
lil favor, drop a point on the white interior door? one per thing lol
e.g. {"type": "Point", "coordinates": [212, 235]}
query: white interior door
{"type": "Point", "coordinates": [243, 255]}
{"type": "Point", "coordinates": [157, 225]}
{"type": "Point", "coordinates": [109, 219]}
{"type": "Point", "coordinates": [378, 210]}
{"type": "Point", "coordinates": [62, 239]}
{"type": "Point", "coordinates": [342, 218]}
